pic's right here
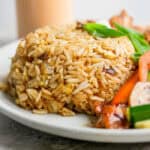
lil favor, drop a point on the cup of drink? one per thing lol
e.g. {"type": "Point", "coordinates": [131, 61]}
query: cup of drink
{"type": "Point", "coordinates": [32, 14]}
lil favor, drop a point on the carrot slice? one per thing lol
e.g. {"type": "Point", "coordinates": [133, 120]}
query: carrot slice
{"type": "Point", "coordinates": [144, 66]}
{"type": "Point", "coordinates": [124, 92]}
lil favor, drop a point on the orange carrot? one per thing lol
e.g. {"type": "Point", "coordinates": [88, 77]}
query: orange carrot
{"type": "Point", "coordinates": [124, 92]}
{"type": "Point", "coordinates": [144, 66]}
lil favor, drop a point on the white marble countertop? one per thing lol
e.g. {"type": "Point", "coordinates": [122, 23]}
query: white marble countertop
{"type": "Point", "coordinates": [14, 136]}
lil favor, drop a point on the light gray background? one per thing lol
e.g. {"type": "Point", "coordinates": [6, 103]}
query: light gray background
{"type": "Point", "coordinates": [101, 9]}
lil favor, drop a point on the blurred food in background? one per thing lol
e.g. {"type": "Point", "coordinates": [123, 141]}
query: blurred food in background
{"type": "Point", "coordinates": [127, 21]}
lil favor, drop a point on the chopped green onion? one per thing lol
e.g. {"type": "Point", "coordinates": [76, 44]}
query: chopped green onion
{"type": "Point", "coordinates": [102, 30]}
{"type": "Point", "coordinates": [137, 39]}
{"type": "Point", "coordinates": [126, 30]}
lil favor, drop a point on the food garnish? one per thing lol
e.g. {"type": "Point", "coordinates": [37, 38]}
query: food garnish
{"type": "Point", "coordinates": [100, 30]}
{"type": "Point", "coordinates": [137, 39]}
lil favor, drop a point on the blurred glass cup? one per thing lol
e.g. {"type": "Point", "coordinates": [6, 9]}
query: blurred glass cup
{"type": "Point", "coordinates": [32, 14]}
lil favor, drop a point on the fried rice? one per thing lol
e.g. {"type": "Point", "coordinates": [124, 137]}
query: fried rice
{"type": "Point", "coordinates": [64, 69]}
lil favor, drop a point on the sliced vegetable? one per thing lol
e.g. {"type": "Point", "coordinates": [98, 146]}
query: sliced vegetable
{"type": "Point", "coordinates": [144, 66]}
{"type": "Point", "coordinates": [142, 124]}
{"type": "Point", "coordinates": [100, 30]}
{"type": "Point", "coordinates": [139, 113]}
{"type": "Point", "coordinates": [127, 30]}
{"type": "Point", "coordinates": [140, 94]}
{"type": "Point", "coordinates": [124, 92]}
{"type": "Point", "coordinates": [137, 39]}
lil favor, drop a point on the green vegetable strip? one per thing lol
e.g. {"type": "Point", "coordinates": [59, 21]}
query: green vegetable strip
{"type": "Point", "coordinates": [137, 39]}
{"type": "Point", "coordinates": [139, 113]}
{"type": "Point", "coordinates": [140, 43]}
{"type": "Point", "coordinates": [126, 30]}
{"type": "Point", "coordinates": [102, 30]}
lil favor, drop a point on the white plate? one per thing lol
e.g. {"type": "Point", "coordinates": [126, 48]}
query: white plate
{"type": "Point", "coordinates": [72, 127]}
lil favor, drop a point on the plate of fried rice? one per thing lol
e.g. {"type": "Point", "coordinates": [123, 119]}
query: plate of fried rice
{"type": "Point", "coordinates": [79, 81]}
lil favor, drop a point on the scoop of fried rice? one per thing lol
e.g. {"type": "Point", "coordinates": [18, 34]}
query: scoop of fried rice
{"type": "Point", "coordinates": [63, 70]}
